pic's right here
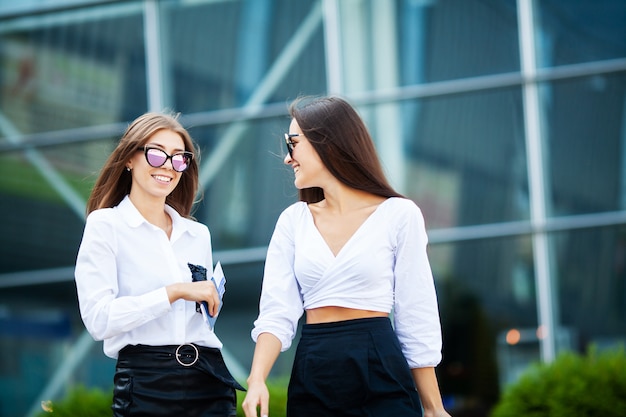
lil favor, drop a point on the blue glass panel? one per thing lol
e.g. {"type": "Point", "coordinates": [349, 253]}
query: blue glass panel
{"type": "Point", "coordinates": [229, 54]}
{"type": "Point", "coordinates": [446, 39]}
{"type": "Point", "coordinates": [75, 68]}
{"type": "Point", "coordinates": [585, 141]}
{"type": "Point", "coordinates": [591, 285]}
{"type": "Point", "coordinates": [577, 31]}
{"type": "Point", "coordinates": [465, 158]}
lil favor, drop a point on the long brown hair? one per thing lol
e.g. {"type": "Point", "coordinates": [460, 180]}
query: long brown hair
{"type": "Point", "coordinates": [114, 181]}
{"type": "Point", "coordinates": [340, 137]}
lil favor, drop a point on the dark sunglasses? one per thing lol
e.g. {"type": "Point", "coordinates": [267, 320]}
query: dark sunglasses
{"type": "Point", "coordinates": [290, 143]}
{"type": "Point", "coordinates": [156, 158]}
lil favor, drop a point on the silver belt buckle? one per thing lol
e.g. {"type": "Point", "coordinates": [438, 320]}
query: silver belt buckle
{"type": "Point", "coordinates": [178, 354]}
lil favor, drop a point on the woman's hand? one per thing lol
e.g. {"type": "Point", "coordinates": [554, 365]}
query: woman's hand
{"type": "Point", "coordinates": [428, 390]}
{"type": "Point", "coordinates": [436, 413]}
{"type": "Point", "coordinates": [257, 398]}
{"type": "Point", "coordinates": [198, 291]}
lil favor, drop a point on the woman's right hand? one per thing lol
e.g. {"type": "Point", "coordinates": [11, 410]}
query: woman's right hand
{"type": "Point", "coordinates": [257, 398]}
{"type": "Point", "coordinates": [198, 291]}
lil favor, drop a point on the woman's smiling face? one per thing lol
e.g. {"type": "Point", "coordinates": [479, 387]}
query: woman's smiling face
{"type": "Point", "coordinates": [150, 182]}
{"type": "Point", "coordinates": [308, 168]}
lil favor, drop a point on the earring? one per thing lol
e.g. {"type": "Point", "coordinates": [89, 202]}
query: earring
{"type": "Point", "coordinates": [128, 169]}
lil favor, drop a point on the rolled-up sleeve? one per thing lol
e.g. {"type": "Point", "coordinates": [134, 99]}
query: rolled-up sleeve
{"type": "Point", "coordinates": [416, 312]}
{"type": "Point", "coordinates": [280, 306]}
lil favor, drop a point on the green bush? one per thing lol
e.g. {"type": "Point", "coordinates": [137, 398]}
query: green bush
{"type": "Point", "coordinates": [572, 385]}
{"type": "Point", "coordinates": [94, 402]}
{"type": "Point", "coordinates": [82, 402]}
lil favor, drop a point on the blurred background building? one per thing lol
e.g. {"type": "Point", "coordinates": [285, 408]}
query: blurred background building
{"type": "Point", "coordinates": [504, 120]}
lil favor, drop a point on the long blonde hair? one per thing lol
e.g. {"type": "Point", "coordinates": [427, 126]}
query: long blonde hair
{"type": "Point", "coordinates": [114, 181]}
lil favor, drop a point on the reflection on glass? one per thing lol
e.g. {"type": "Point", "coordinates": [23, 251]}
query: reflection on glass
{"type": "Point", "coordinates": [465, 158]}
{"type": "Point", "coordinates": [42, 201]}
{"type": "Point", "coordinates": [72, 69]}
{"type": "Point", "coordinates": [418, 42]}
{"type": "Point", "coordinates": [227, 54]}
{"type": "Point", "coordinates": [580, 31]}
{"type": "Point", "coordinates": [591, 269]}
{"type": "Point", "coordinates": [585, 141]}
{"type": "Point", "coordinates": [250, 185]}
{"type": "Point", "coordinates": [486, 295]}
{"type": "Point", "coordinates": [444, 40]}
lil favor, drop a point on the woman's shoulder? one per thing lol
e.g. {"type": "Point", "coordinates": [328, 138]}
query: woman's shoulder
{"type": "Point", "coordinates": [123, 210]}
{"type": "Point", "coordinates": [294, 210]}
{"type": "Point", "coordinates": [401, 204]}
{"type": "Point", "coordinates": [402, 211]}
{"type": "Point", "coordinates": [102, 222]}
{"type": "Point", "coordinates": [194, 225]}
{"type": "Point", "coordinates": [101, 214]}
{"type": "Point", "coordinates": [292, 216]}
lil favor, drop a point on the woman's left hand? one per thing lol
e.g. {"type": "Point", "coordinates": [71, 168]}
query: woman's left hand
{"type": "Point", "coordinates": [198, 291]}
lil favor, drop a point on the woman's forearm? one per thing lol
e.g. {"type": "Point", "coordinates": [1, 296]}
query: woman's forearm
{"type": "Point", "coordinates": [428, 390]}
{"type": "Point", "coordinates": [266, 352]}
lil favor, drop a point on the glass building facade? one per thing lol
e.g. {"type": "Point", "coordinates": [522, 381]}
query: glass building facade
{"type": "Point", "coordinates": [504, 120]}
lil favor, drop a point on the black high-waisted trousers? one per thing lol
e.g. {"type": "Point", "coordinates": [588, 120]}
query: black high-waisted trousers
{"type": "Point", "coordinates": [351, 368]}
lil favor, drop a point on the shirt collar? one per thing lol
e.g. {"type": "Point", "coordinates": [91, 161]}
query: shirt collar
{"type": "Point", "coordinates": [179, 225]}
{"type": "Point", "coordinates": [133, 218]}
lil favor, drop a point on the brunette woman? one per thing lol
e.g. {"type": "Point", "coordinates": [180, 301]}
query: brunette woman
{"type": "Point", "coordinates": [350, 252]}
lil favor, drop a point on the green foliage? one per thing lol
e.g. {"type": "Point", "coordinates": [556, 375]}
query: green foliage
{"type": "Point", "coordinates": [572, 385]}
{"type": "Point", "coordinates": [21, 180]}
{"type": "Point", "coordinates": [278, 398]}
{"type": "Point", "coordinates": [84, 402]}
{"type": "Point", "coordinates": [80, 401]}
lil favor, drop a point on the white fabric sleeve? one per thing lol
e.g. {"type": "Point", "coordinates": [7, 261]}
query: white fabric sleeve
{"type": "Point", "coordinates": [416, 312]}
{"type": "Point", "coordinates": [280, 306]}
{"type": "Point", "coordinates": [103, 312]}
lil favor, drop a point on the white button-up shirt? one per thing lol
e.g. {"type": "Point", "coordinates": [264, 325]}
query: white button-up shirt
{"type": "Point", "coordinates": [383, 267]}
{"type": "Point", "coordinates": [123, 266]}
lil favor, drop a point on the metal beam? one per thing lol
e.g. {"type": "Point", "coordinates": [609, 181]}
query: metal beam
{"type": "Point", "coordinates": [536, 181]}
{"type": "Point", "coordinates": [154, 60]}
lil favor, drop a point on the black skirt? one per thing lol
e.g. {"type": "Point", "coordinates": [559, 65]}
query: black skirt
{"type": "Point", "coordinates": [185, 380]}
{"type": "Point", "coordinates": [351, 368]}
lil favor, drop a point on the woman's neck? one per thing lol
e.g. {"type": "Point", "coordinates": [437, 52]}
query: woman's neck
{"type": "Point", "coordinates": [153, 211]}
{"type": "Point", "coordinates": [345, 199]}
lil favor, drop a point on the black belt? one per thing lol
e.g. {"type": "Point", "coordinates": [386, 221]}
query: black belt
{"type": "Point", "coordinates": [186, 354]}
{"type": "Point", "coordinates": [205, 359]}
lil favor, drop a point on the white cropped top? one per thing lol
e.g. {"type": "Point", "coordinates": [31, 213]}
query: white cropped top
{"type": "Point", "coordinates": [383, 267]}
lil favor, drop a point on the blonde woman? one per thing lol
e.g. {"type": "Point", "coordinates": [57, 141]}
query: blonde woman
{"type": "Point", "coordinates": [134, 277]}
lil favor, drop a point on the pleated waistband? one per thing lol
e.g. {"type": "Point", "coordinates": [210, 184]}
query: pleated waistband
{"type": "Point", "coordinates": [347, 326]}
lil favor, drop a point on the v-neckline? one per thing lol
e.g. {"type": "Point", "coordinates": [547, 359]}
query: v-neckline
{"type": "Point", "coordinates": [351, 238]}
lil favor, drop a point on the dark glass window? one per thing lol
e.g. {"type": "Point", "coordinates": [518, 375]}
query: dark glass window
{"type": "Point", "coordinates": [74, 68]}
{"type": "Point", "coordinates": [578, 31]}
{"type": "Point", "coordinates": [449, 39]}
{"type": "Point", "coordinates": [584, 131]}
{"type": "Point", "coordinates": [244, 180]}
{"type": "Point", "coordinates": [230, 54]}
{"type": "Point", "coordinates": [486, 292]}
{"type": "Point", "coordinates": [466, 159]}
{"type": "Point", "coordinates": [591, 285]}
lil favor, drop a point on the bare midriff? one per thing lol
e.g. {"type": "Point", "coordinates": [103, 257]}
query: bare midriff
{"type": "Point", "coordinates": [330, 314]}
